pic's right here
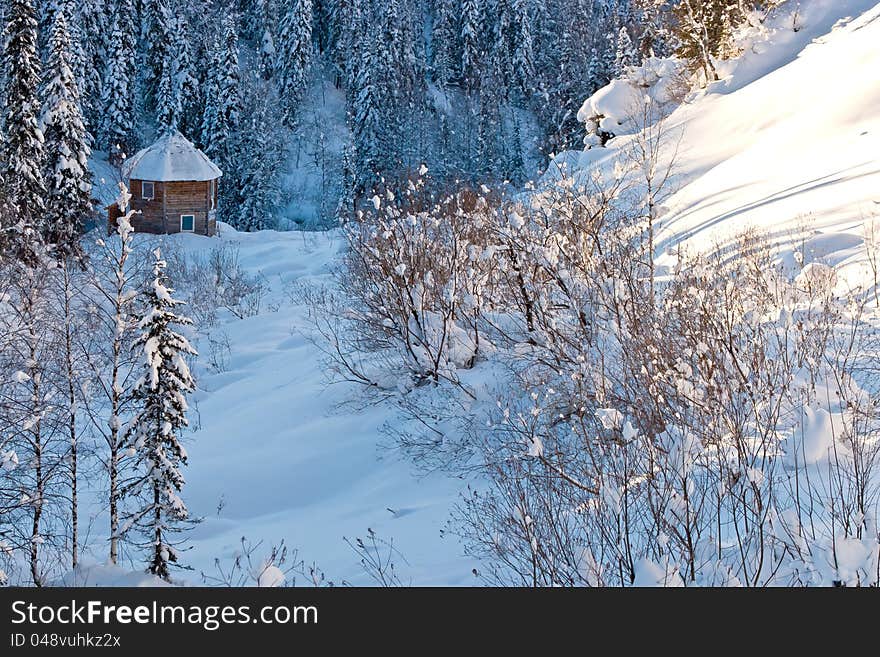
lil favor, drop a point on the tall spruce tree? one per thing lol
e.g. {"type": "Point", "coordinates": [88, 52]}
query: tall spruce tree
{"type": "Point", "coordinates": [522, 56]}
{"type": "Point", "coordinates": [444, 41]}
{"type": "Point", "coordinates": [117, 127]}
{"type": "Point", "coordinates": [186, 86]}
{"type": "Point", "coordinates": [87, 29]}
{"type": "Point", "coordinates": [222, 113]}
{"type": "Point", "coordinates": [365, 117]}
{"type": "Point", "coordinates": [22, 186]}
{"type": "Point", "coordinates": [153, 434]}
{"type": "Point", "coordinates": [471, 50]}
{"type": "Point", "coordinates": [625, 53]}
{"type": "Point", "coordinates": [66, 166]}
{"type": "Point", "coordinates": [294, 55]}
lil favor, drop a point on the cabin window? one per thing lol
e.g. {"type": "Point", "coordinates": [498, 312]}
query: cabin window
{"type": "Point", "coordinates": [211, 194]}
{"type": "Point", "coordinates": [187, 223]}
{"type": "Point", "coordinates": [148, 191]}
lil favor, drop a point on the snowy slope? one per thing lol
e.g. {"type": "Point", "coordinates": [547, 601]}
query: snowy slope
{"type": "Point", "coordinates": [788, 143]}
{"type": "Point", "coordinates": [275, 457]}
{"type": "Point", "coordinates": [287, 461]}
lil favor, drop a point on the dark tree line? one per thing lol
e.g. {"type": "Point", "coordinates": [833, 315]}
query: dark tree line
{"type": "Point", "coordinates": [476, 89]}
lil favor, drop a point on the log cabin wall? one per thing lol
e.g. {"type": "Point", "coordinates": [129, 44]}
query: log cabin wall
{"type": "Point", "coordinates": [162, 213]}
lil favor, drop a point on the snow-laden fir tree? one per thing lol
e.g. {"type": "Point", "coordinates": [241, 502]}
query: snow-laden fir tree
{"type": "Point", "coordinates": [259, 159]}
{"type": "Point", "coordinates": [350, 34]}
{"type": "Point", "coordinates": [222, 112]}
{"type": "Point", "coordinates": [208, 129]}
{"type": "Point", "coordinates": [471, 51]}
{"type": "Point", "coordinates": [177, 92]}
{"type": "Point", "coordinates": [159, 37]}
{"type": "Point", "coordinates": [66, 165]}
{"type": "Point", "coordinates": [398, 63]}
{"type": "Point", "coordinates": [522, 55]}
{"type": "Point", "coordinates": [88, 27]}
{"type": "Point", "coordinates": [153, 435]}
{"type": "Point", "coordinates": [168, 107]}
{"type": "Point", "coordinates": [625, 53]}
{"type": "Point", "coordinates": [117, 127]}
{"type": "Point", "coordinates": [268, 54]}
{"type": "Point", "coordinates": [22, 186]}
{"type": "Point", "coordinates": [186, 86]}
{"type": "Point", "coordinates": [444, 40]}
{"type": "Point", "coordinates": [365, 117]}
{"type": "Point", "coordinates": [503, 30]}
{"type": "Point", "coordinates": [345, 33]}
{"type": "Point", "coordinates": [294, 54]}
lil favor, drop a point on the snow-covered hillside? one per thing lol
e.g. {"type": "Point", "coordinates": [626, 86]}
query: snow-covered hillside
{"type": "Point", "coordinates": [787, 143]}
{"type": "Point", "coordinates": [275, 455]}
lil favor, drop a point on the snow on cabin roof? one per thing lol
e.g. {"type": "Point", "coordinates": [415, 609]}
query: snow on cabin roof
{"type": "Point", "coordinates": [172, 158]}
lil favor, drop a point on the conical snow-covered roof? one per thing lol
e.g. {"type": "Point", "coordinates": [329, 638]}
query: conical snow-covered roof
{"type": "Point", "coordinates": [172, 158]}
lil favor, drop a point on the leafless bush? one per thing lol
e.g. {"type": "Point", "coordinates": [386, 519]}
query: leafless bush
{"type": "Point", "coordinates": [729, 437]}
{"type": "Point", "coordinates": [248, 568]}
{"type": "Point", "coordinates": [214, 281]}
{"type": "Point", "coordinates": [377, 557]}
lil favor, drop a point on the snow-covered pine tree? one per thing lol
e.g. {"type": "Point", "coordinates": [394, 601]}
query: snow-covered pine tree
{"type": "Point", "coordinates": [444, 40]}
{"type": "Point", "coordinates": [324, 12]}
{"type": "Point", "coordinates": [365, 117]}
{"type": "Point", "coordinates": [66, 164]}
{"type": "Point", "coordinates": [596, 73]}
{"type": "Point", "coordinates": [504, 37]}
{"type": "Point", "coordinates": [168, 102]}
{"type": "Point", "coordinates": [625, 53]}
{"type": "Point", "coordinates": [522, 55]}
{"type": "Point", "coordinates": [489, 142]}
{"type": "Point", "coordinates": [117, 127]}
{"type": "Point", "coordinates": [186, 86]}
{"type": "Point", "coordinates": [350, 29]}
{"type": "Point", "coordinates": [177, 91]}
{"type": "Point", "coordinates": [211, 108]}
{"type": "Point", "coordinates": [87, 29]}
{"type": "Point", "coordinates": [21, 150]}
{"type": "Point", "coordinates": [222, 113]}
{"type": "Point", "coordinates": [259, 159]}
{"type": "Point", "coordinates": [345, 34]}
{"type": "Point", "coordinates": [158, 27]}
{"type": "Point", "coordinates": [294, 57]}
{"type": "Point", "coordinates": [268, 54]}
{"type": "Point", "coordinates": [153, 435]}
{"type": "Point", "coordinates": [471, 51]}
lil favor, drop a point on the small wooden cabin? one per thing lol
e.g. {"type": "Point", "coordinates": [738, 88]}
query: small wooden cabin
{"type": "Point", "coordinates": [173, 188]}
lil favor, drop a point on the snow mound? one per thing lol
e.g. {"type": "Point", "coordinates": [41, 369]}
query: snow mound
{"type": "Point", "coordinates": [107, 575]}
{"type": "Point", "coordinates": [172, 158]}
{"type": "Point", "coordinates": [616, 108]}
{"type": "Point", "coordinates": [785, 145]}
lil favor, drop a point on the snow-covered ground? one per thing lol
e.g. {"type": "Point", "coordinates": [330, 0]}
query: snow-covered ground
{"type": "Point", "coordinates": [285, 460]}
{"type": "Point", "coordinates": [275, 456]}
{"type": "Point", "coordinates": [788, 142]}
